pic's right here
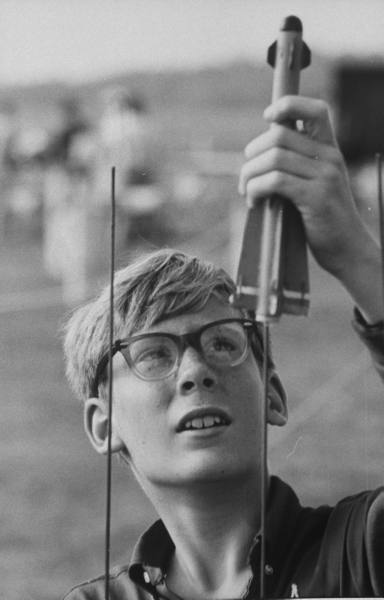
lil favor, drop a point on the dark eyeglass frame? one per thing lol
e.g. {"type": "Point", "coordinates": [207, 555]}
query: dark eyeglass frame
{"type": "Point", "coordinates": [193, 338]}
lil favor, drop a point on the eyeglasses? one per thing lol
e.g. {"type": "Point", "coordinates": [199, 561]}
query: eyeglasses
{"type": "Point", "coordinates": [155, 356]}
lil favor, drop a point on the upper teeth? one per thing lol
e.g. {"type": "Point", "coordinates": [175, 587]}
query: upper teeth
{"type": "Point", "coordinates": [203, 422]}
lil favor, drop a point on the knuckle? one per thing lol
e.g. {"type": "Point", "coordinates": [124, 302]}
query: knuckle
{"type": "Point", "coordinates": [276, 180]}
{"type": "Point", "coordinates": [278, 134]}
{"type": "Point", "coordinates": [249, 149]}
{"type": "Point", "coordinates": [275, 156]}
{"type": "Point", "coordinates": [251, 192]}
{"type": "Point", "coordinates": [285, 103]}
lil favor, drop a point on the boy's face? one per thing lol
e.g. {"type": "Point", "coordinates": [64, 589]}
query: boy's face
{"type": "Point", "coordinates": [149, 416]}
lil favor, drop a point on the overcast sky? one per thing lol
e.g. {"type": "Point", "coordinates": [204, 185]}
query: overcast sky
{"type": "Point", "coordinates": [84, 39]}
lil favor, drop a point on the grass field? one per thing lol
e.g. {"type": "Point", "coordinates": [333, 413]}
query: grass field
{"type": "Point", "coordinates": [52, 492]}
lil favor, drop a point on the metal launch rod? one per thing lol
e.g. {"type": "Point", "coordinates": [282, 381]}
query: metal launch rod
{"type": "Point", "coordinates": [380, 202]}
{"type": "Point", "coordinates": [273, 269]}
{"type": "Point", "coordinates": [110, 387]}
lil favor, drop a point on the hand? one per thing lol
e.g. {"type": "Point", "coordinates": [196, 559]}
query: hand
{"type": "Point", "coordinates": [308, 168]}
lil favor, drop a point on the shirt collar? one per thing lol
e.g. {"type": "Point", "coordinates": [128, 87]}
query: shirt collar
{"type": "Point", "coordinates": [154, 549]}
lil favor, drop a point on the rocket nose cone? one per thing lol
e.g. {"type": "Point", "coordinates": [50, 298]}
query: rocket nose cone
{"type": "Point", "coordinates": [291, 23]}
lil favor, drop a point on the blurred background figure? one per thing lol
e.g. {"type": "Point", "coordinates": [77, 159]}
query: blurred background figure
{"type": "Point", "coordinates": [127, 140]}
{"type": "Point", "coordinates": [67, 169]}
{"type": "Point", "coordinates": [22, 153]}
{"type": "Point", "coordinates": [7, 113]}
{"type": "Point", "coordinates": [70, 123]}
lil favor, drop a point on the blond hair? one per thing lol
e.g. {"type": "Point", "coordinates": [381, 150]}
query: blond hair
{"type": "Point", "coordinates": [161, 284]}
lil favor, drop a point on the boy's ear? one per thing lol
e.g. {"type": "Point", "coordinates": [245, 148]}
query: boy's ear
{"type": "Point", "coordinates": [96, 426]}
{"type": "Point", "coordinates": [277, 413]}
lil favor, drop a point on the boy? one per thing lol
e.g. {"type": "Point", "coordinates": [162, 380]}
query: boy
{"type": "Point", "coordinates": [187, 395]}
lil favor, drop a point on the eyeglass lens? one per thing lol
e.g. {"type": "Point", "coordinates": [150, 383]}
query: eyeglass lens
{"type": "Point", "coordinates": [156, 356]}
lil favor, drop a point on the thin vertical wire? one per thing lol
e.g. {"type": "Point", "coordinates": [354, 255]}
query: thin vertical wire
{"type": "Point", "coordinates": [264, 464]}
{"type": "Point", "coordinates": [110, 387]}
{"type": "Point", "coordinates": [379, 165]}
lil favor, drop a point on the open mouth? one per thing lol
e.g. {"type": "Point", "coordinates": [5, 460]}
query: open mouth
{"type": "Point", "coordinates": [199, 420]}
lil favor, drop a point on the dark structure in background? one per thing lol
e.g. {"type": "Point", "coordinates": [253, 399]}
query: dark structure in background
{"type": "Point", "coordinates": [359, 100]}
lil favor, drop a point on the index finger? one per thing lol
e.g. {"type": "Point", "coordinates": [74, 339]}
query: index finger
{"type": "Point", "coordinates": [313, 112]}
{"type": "Point", "coordinates": [280, 136]}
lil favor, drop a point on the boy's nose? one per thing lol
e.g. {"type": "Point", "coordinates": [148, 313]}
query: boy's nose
{"type": "Point", "coordinates": [195, 373]}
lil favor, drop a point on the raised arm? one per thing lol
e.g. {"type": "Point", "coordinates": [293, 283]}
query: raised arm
{"type": "Point", "coordinates": [308, 168]}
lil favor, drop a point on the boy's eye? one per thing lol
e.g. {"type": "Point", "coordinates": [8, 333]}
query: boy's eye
{"type": "Point", "coordinates": [151, 354]}
{"type": "Point", "coordinates": [224, 343]}
{"type": "Point", "coordinates": [221, 344]}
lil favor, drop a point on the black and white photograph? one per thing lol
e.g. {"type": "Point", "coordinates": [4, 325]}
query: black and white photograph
{"type": "Point", "coordinates": [189, 178]}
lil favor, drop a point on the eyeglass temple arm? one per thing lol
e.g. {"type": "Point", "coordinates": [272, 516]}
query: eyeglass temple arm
{"type": "Point", "coordinates": [102, 364]}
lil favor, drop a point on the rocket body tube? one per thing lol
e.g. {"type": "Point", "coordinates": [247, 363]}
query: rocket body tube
{"type": "Point", "coordinates": [273, 271]}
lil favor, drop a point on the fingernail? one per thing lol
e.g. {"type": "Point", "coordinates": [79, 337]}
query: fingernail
{"type": "Point", "coordinates": [250, 202]}
{"type": "Point", "coordinates": [268, 113]}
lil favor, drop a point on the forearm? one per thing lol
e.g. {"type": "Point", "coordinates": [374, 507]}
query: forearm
{"type": "Point", "coordinates": [362, 277]}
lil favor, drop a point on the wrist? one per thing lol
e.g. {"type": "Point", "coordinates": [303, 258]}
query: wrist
{"type": "Point", "coordinates": [372, 334]}
{"type": "Point", "coordinates": [365, 326]}
{"type": "Point", "coordinates": [362, 277]}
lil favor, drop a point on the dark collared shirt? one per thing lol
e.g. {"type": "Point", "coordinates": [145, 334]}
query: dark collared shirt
{"type": "Point", "coordinates": [310, 552]}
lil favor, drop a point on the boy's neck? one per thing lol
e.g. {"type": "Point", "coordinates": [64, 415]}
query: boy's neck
{"type": "Point", "coordinates": [213, 528]}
